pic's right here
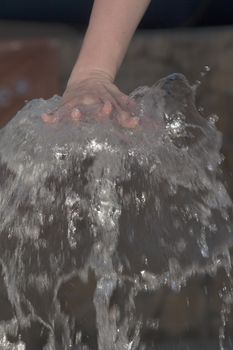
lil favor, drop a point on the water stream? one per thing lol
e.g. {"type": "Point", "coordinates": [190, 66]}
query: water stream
{"type": "Point", "coordinates": [94, 217]}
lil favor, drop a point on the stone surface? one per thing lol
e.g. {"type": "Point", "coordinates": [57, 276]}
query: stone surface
{"type": "Point", "coordinates": [28, 69]}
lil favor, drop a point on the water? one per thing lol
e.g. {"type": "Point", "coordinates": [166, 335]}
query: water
{"type": "Point", "coordinates": [93, 216]}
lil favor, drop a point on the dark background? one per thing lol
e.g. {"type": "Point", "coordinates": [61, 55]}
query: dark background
{"type": "Point", "coordinates": [160, 14]}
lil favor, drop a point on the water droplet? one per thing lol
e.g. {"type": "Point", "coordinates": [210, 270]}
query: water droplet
{"type": "Point", "coordinates": [205, 71]}
{"type": "Point", "coordinates": [152, 324]}
{"type": "Point", "coordinates": [201, 109]}
{"type": "Point", "coordinates": [212, 119]}
{"type": "Point", "coordinates": [60, 152]}
{"type": "Point", "coordinates": [203, 245]}
{"type": "Point", "coordinates": [181, 245]}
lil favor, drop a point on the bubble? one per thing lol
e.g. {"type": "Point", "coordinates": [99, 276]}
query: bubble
{"type": "Point", "coordinates": [213, 119]}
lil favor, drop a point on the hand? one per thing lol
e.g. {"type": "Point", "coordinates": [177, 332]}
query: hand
{"type": "Point", "coordinates": [94, 94]}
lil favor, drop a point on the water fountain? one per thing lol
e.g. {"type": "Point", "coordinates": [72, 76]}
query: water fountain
{"type": "Point", "coordinates": [94, 218]}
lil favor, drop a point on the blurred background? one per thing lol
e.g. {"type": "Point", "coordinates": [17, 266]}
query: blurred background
{"type": "Point", "coordinates": [39, 43]}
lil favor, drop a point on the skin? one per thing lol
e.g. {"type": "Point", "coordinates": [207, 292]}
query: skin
{"type": "Point", "coordinates": [91, 84]}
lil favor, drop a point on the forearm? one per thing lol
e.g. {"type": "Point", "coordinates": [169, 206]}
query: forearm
{"type": "Point", "coordinates": [112, 25]}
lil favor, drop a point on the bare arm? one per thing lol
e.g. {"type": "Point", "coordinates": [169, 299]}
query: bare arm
{"type": "Point", "coordinates": [111, 27]}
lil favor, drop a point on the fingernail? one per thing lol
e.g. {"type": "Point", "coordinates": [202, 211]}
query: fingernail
{"type": "Point", "coordinates": [133, 122]}
{"type": "Point", "coordinates": [107, 108]}
{"type": "Point", "coordinates": [76, 114]}
{"type": "Point", "coordinates": [49, 119]}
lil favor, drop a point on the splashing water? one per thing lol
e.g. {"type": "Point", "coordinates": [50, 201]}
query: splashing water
{"type": "Point", "coordinates": [91, 215]}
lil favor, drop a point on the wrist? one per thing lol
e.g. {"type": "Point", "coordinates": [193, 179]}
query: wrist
{"type": "Point", "coordinates": [83, 73]}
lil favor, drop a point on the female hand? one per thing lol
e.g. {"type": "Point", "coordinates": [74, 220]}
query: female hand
{"type": "Point", "coordinates": [94, 94]}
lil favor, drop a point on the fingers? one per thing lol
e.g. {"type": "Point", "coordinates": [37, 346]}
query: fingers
{"type": "Point", "coordinates": [49, 118]}
{"type": "Point", "coordinates": [128, 104]}
{"type": "Point", "coordinates": [58, 114]}
{"type": "Point", "coordinates": [107, 108]}
{"type": "Point", "coordinates": [105, 112]}
{"type": "Point", "coordinates": [76, 115]}
{"type": "Point", "coordinates": [126, 112]}
{"type": "Point", "coordinates": [124, 118]}
{"type": "Point", "coordinates": [116, 105]}
{"type": "Point", "coordinates": [88, 100]}
{"type": "Point", "coordinates": [126, 121]}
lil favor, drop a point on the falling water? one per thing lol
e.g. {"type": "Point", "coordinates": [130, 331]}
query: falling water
{"type": "Point", "coordinates": [92, 215]}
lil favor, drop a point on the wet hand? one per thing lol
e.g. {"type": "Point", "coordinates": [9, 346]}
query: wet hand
{"type": "Point", "coordinates": [94, 94]}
